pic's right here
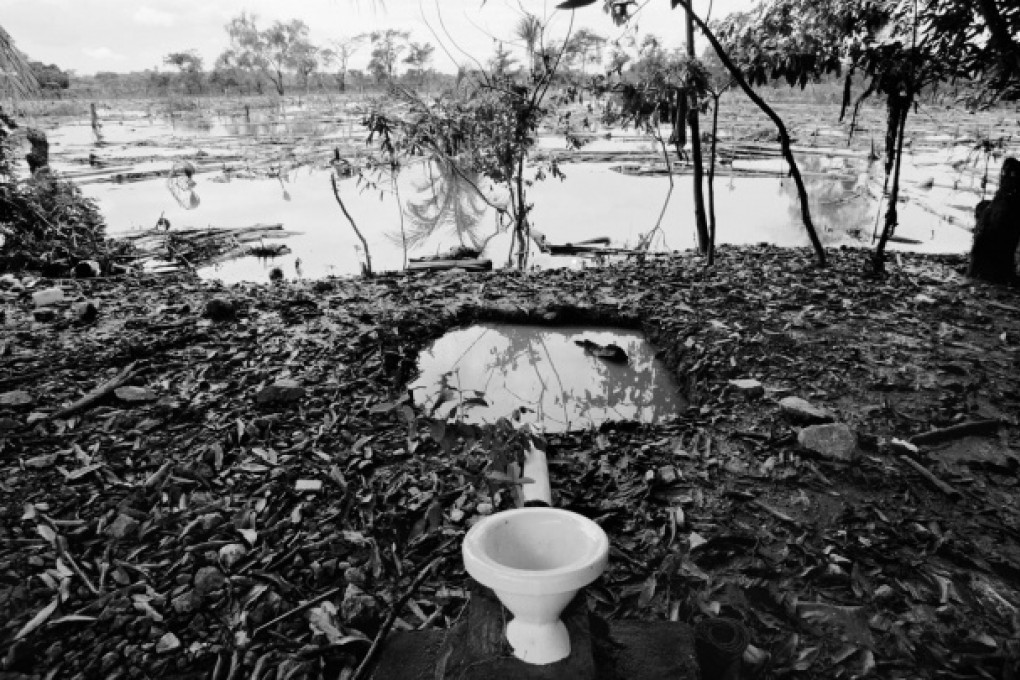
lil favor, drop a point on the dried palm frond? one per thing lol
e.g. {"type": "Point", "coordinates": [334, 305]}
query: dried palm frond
{"type": "Point", "coordinates": [16, 78]}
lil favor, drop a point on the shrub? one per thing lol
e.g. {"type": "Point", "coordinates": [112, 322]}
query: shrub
{"type": "Point", "coordinates": [45, 221]}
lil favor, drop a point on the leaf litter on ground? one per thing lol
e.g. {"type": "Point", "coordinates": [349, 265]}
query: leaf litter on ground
{"type": "Point", "coordinates": [200, 527]}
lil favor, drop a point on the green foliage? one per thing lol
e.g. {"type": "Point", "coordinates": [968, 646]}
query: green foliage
{"type": "Point", "coordinates": [387, 46]}
{"type": "Point", "coordinates": [255, 53]}
{"type": "Point", "coordinates": [50, 76]}
{"type": "Point", "coordinates": [418, 57]}
{"type": "Point", "coordinates": [894, 45]}
{"type": "Point", "coordinates": [484, 128]}
{"type": "Point", "coordinates": [44, 220]}
{"type": "Point", "coordinates": [189, 65]}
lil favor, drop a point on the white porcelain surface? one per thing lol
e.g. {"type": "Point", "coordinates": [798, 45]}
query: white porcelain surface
{"type": "Point", "coordinates": [537, 470]}
{"type": "Point", "coordinates": [535, 560]}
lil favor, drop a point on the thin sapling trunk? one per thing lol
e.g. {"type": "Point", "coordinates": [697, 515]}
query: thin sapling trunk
{"type": "Point", "coordinates": [784, 135]}
{"type": "Point", "coordinates": [364, 243]}
{"type": "Point", "coordinates": [899, 107]}
{"type": "Point", "coordinates": [711, 182]}
{"type": "Point", "coordinates": [694, 123]}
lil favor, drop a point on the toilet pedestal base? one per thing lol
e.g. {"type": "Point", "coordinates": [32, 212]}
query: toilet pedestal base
{"type": "Point", "coordinates": [476, 649]}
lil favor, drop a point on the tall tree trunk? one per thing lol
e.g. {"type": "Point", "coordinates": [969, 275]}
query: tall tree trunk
{"type": "Point", "coordinates": [784, 136]}
{"type": "Point", "coordinates": [694, 123]}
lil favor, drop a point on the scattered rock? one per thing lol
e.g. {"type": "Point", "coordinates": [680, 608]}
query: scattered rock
{"type": "Point", "coordinates": [48, 297]}
{"type": "Point", "coordinates": [750, 388]}
{"type": "Point", "coordinates": [667, 475]}
{"type": "Point", "coordinates": [356, 604]}
{"type": "Point", "coordinates": [308, 485]}
{"type": "Point", "coordinates": [209, 580]}
{"type": "Point", "coordinates": [835, 441]}
{"type": "Point", "coordinates": [281, 391]}
{"type": "Point", "coordinates": [167, 643]}
{"type": "Point", "coordinates": [801, 410]}
{"type": "Point", "coordinates": [87, 269]}
{"type": "Point", "coordinates": [232, 553]}
{"type": "Point", "coordinates": [185, 603]}
{"type": "Point", "coordinates": [133, 395]}
{"type": "Point", "coordinates": [123, 527]}
{"type": "Point", "coordinates": [219, 309]}
{"type": "Point", "coordinates": [84, 312]}
{"type": "Point", "coordinates": [16, 398]}
{"type": "Point", "coordinates": [44, 315]}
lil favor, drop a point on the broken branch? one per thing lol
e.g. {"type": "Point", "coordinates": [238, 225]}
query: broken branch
{"type": "Point", "coordinates": [97, 394]}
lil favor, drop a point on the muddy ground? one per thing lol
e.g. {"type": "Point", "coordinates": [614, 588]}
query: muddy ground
{"type": "Point", "coordinates": [201, 525]}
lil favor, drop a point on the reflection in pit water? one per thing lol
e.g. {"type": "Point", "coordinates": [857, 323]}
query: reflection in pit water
{"type": "Point", "coordinates": [541, 368]}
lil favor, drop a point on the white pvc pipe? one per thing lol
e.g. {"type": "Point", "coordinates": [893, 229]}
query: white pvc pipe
{"type": "Point", "coordinates": [537, 470]}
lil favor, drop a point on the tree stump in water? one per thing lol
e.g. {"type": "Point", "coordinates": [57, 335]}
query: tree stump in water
{"type": "Point", "coordinates": [39, 157]}
{"type": "Point", "coordinates": [997, 234]}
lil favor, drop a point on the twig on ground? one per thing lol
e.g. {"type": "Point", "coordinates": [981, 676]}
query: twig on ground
{"type": "Point", "coordinates": [297, 610]}
{"type": "Point", "coordinates": [973, 427]}
{"type": "Point", "coordinates": [97, 394]}
{"type": "Point", "coordinates": [930, 477]}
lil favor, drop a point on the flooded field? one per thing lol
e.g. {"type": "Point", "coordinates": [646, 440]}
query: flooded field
{"type": "Point", "coordinates": [489, 370]}
{"type": "Point", "coordinates": [272, 167]}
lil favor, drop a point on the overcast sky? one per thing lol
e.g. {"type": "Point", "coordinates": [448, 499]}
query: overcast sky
{"type": "Point", "coordinates": [130, 35]}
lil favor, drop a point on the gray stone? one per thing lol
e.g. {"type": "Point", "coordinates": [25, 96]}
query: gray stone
{"type": "Point", "coordinates": [219, 309]}
{"type": "Point", "coordinates": [232, 553]}
{"type": "Point", "coordinates": [804, 411]}
{"type": "Point", "coordinates": [286, 390]}
{"type": "Point", "coordinates": [48, 296]}
{"type": "Point", "coordinates": [835, 441]}
{"type": "Point", "coordinates": [185, 603]}
{"type": "Point", "coordinates": [133, 394]}
{"type": "Point", "coordinates": [209, 580]}
{"type": "Point", "coordinates": [167, 643]}
{"type": "Point", "coordinates": [123, 527]}
{"type": "Point", "coordinates": [16, 398]}
{"type": "Point", "coordinates": [750, 388]}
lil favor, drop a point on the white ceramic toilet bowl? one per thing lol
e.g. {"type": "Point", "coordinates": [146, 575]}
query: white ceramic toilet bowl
{"type": "Point", "coordinates": [535, 560]}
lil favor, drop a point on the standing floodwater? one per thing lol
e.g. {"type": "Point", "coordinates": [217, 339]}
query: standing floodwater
{"type": "Point", "coordinates": [561, 384]}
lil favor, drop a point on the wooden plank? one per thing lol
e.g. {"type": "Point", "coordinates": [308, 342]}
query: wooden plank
{"type": "Point", "coordinates": [439, 265]}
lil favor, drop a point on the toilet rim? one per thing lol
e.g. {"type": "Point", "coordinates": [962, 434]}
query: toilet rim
{"type": "Point", "coordinates": [572, 576]}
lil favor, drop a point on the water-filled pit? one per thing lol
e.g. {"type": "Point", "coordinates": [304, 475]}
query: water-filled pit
{"type": "Point", "coordinates": [488, 371]}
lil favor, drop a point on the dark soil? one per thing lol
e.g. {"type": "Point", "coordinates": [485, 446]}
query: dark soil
{"type": "Point", "coordinates": [204, 527]}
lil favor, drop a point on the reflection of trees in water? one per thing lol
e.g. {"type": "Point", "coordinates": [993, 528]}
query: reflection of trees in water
{"type": "Point", "coordinates": [448, 199]}
{"type": "Point", "coordinates": [608, 391]}
{"type": "Point", "coordinates": [839, 205]}
{"type": "Point", "coordinates": [199, 123]}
